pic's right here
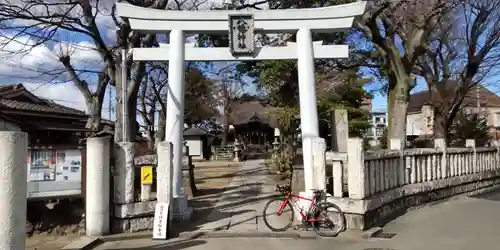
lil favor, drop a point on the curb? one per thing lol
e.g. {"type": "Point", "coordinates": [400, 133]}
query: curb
{"type": "Point", "coordinates": [87, 243]}
{"type": "Point", "coordinates": [127, 236]}
{"type": "Point", "coordinates": [248, 234]}
{"type": "Point", "coordinates": [84, 243]}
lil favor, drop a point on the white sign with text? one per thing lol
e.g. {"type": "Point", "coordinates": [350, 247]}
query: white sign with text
{"type": "Point", "coordinates": [161, 221]}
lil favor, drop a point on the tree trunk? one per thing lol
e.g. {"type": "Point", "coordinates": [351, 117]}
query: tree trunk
{"type": "Point", "coordinates": [290, 149]}
{"type": "Point", "coordinates": [133, 126]}
{"type": "Point", "coordinates": [440, 126]}
{"type": "Point", "coordinates": [160, 132]}
{"type": "Point", "coordinates": [397, 106]}
{"type": "Point", "coordinates": [94, 109]}
{"type": "Point", "coordinates": [119, 108]}
{"type": "Point", "coordinates": [132, 112]}
{"type": "Point", "coordinates": [225, 131]}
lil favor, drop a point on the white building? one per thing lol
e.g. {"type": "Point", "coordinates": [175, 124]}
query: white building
{"type": "Point", "coordinates": [377, 128]}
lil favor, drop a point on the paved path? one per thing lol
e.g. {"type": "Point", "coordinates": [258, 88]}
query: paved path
{"type": "Point", "coordinates": [239, 208]}
{"type": "Point", "coordinates": [462, 223]}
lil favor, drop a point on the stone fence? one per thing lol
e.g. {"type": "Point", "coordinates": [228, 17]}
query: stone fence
{"type": "Point", "coordinates": [138, 215]}
{"type": "Point", "coordinates": [382, 185]}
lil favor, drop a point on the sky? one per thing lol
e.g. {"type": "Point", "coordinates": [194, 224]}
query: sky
{"type": "Point", "coordinates": [39, 70]}
{"type": "Point", "coordinates": [38, 67]}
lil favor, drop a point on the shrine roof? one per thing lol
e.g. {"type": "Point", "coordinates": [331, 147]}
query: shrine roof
{"type": "Point", "coordinates": [194, 131]}
{"type": "Point", "coordinates": [245, 112]}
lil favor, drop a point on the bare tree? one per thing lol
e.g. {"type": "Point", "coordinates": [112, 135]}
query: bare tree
{"type": "Point", "coordinates": [201, 96]}
{"type": "Point", "coordinates": [200, 101]}
{"type": "Point", "coordinates": [152, 103]}
{"type": "Point", "coordinates": [464, 51]}
{"type": "Point", "coordinates": [229, 87]}
{"type": "Point", "coordinates": [42, 21]}
{"type": "Point", "coordinates": [399, 30]}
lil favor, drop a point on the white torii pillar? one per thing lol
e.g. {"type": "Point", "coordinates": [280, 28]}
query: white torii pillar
{"type": "Point", "coordinates": [174, 128]}
{"type": "Point", "coordinates": [307, 102]}
{"type": "Point", "coordinates": [303, 21]}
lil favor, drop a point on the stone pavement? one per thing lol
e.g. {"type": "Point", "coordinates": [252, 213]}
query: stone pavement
{"type": "Point", "coordinates": [461, 223]}
{"type": "Point", "coordinates": [240, 206]}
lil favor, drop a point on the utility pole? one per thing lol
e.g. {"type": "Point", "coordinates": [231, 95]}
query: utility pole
{"type": "Point", "coordinates": [478, 103]}
{"type": "Point", "coordinates": [110, 108]}
{"type": "Point", "coordinates": [124, 96]}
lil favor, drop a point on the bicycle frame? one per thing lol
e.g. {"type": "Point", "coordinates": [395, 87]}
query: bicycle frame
{"type": "Point", "coordinates": [294, 199]}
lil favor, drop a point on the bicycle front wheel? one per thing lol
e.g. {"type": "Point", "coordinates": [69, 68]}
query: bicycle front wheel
{"type": "Point", "coordinates": [274, 220]}
{"type": "Point", "coordinates": [329, 220]}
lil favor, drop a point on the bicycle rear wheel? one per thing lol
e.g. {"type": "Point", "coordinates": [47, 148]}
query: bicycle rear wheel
{"type": "Point", "coordinates": [330, 218]}
{"type": "Point", "coordinates": [274, 221]}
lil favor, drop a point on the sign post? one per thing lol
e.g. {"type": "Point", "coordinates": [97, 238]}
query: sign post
{"type": "Point", "coordinates": [160, 227]}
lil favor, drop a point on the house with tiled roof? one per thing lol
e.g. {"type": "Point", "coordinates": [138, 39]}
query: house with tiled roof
{"type": "Point", "coordinates": [52, 123]}
{"type": "Point", "coordinates": [420, 118]}
{"type": "Point", "coordinates": [56, 156]}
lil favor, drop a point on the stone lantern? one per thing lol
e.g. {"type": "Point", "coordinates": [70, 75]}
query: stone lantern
{"type": "Point", "coordinates": [237, 150]}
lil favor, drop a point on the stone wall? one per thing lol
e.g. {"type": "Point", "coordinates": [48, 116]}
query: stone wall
{"type": "Point", "coordinates": [383, 185]}
{"type": "Point", "coordinates": [139, 215]}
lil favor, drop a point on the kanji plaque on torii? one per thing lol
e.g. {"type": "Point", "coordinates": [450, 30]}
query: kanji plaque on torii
{"type": "Point", "coordinates": [241, 34]}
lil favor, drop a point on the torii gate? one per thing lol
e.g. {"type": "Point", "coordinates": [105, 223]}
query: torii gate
{"type": "Point", "coordinates": [242, 26]}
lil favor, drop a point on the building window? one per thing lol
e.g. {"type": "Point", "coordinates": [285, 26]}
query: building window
{"type": "Point", "coordinates": [379, 131]}
{"type": "Point", "coordinates": [497, 120]}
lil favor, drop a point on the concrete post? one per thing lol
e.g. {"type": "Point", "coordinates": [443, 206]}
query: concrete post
{"type": "Point", "coordinates": [396, 144]}
{"type": "Point", "coordinates": [164, 171]}
{"type": "Point", "coordinates": [164, 180]}
{"type": "Point", "coordinates": [319, 163]}
{"type": "Point", "coordinates": [338, 176]}
{"type": "Point", "coordinates": [471, 143]}
{"type": "Point", "coordinates": [356, 164]}
{"type": "Point", "coordinates": [441, 144]}
{"type": "Point", "coordinates": [307, 145]}
{"type": "Point", "coordinates": [308, 108]}
{"type": "Point", "coordinates": [403, 171]}
{"type": "Point", "coordinates": [340, 130]}
{"type": "Point", "coordinates": [125, 173]}
{"type": "Point", "coordinates": [97, 190]}
{"type": "Point", "coordinates": [146, 192]}
{"type": "Point", "coordinates": [13, 189]}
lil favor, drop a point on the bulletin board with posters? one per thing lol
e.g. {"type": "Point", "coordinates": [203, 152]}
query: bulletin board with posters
{"type": "Point", "coordinates": [54, 165]}
{"type": "Point", "coordinates": [68, 165]}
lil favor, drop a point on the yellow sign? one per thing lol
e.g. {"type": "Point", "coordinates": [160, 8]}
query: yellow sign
{"type": "Point", "coordinates": [147, 175]}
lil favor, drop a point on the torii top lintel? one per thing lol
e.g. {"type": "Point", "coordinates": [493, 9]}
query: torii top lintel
{"type": "Point", "coordinates": [327, 19]}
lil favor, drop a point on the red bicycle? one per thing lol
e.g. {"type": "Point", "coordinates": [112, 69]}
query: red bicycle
{"type": "Point", "coordinates": [317, 215]}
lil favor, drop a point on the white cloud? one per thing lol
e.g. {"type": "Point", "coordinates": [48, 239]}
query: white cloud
{"type": "Point", "coordinates": [68, 95]}
{"type": "Point", "coordinates": [21, 61]}
{"type": "Point", "coordinates": [36, 67]}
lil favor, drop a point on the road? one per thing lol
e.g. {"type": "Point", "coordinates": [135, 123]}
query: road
{"type": "Point", "coordinates": [463, 223]}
